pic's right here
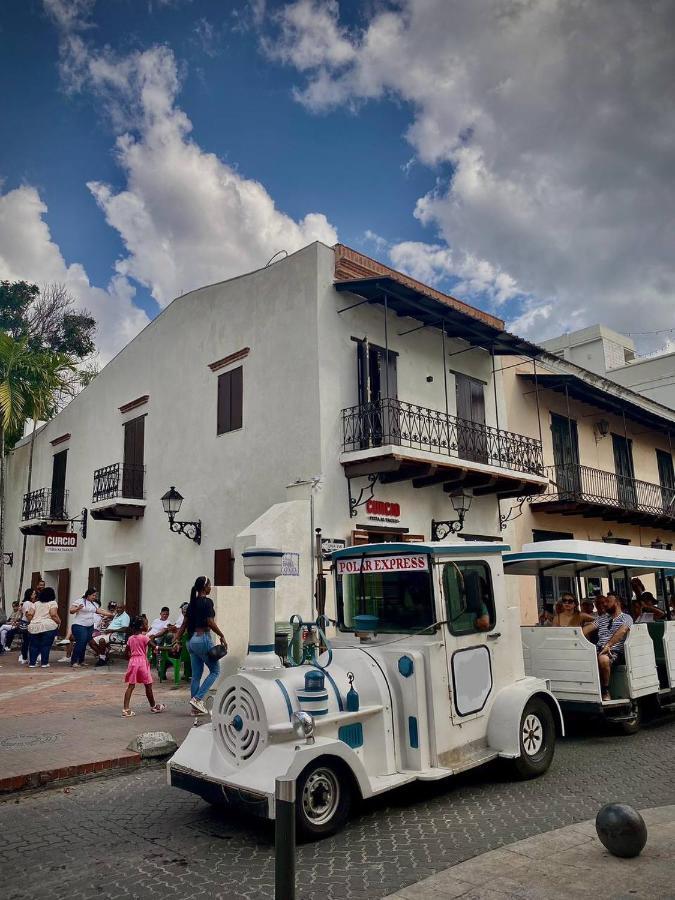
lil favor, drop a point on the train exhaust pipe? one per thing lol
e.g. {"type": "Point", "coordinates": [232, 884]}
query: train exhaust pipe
{"type": "Point", "coordinates": [262, 565]}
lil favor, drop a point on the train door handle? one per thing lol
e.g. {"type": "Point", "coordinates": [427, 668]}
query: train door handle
{"type": "Point", "coordinates": [494, 635]}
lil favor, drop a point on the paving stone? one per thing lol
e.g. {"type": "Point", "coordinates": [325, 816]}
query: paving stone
{"type": "Point", "coordinates": [139, 831]}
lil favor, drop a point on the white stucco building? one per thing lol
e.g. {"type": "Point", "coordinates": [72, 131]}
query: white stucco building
{"type": "Point", "coordinates": [324, 366]}
{"type": "Point", "coordinates": [606, 352]}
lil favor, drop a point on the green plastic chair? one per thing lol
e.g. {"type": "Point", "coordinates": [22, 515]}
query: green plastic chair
{"type": "Point", "coordinates": [164, 659]}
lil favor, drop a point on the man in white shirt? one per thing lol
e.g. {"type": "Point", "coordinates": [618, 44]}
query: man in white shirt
{"type": "Point", "coordinates": [161, 625]}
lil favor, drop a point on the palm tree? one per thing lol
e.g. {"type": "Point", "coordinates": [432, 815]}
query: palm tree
{"type": "Point", "coordinates": [29, 385]}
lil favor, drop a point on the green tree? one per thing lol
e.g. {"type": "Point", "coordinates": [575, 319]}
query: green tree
{"type": "Point", "coordinates": [55, 342]}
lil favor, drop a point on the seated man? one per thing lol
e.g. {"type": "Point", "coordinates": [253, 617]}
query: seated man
{"type": "Point", "coordinates": [97, 644]}
{"type": "Point", "coordinates": [115, 633]}
{"type": "Point", "coordinates": [10, 627]}
{"type": "Point", "coordinates": [161, 626]}
{"type": "Point", "coordinates": [612, 628]}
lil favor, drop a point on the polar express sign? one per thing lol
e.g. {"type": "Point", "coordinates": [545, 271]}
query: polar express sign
{"type": "Point", "coordinates": [414, 563]}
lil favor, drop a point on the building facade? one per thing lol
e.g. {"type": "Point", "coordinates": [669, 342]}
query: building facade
{"type": "Point", "coordinates": [324, 391]}
{"type": "Point", "coordinates": [606, 352]}
{"type": "Point", "coordinates": [608, 459]}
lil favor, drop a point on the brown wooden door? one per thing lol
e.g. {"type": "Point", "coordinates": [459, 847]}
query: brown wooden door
{"type": "Point", "coordinates": [132, 589]}
{"type": "Point", "coordinates": [34, 578]}
{"type": "Point", "coordinates": [62, 598]}
{"type": "Point", "coordinates": [134, 452]}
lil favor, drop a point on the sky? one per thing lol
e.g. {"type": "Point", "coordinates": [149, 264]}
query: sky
{"type": "Point", "coordinates": [516, 153]}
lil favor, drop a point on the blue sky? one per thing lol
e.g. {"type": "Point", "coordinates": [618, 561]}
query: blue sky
{"type": "Point", "coordinates": [476, 151]}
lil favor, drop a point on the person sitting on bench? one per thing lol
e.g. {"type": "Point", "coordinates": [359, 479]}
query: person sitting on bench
{"type": "Point", "coordinates": [612, 627]}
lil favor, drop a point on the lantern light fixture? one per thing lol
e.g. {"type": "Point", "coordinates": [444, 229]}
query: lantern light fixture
{"type": "Point", "coordinates": [172, 502]}
{"type": "Point", "coordinates": [461, 503]}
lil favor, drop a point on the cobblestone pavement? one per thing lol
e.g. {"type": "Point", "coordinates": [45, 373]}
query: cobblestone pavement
{"type": "Point", "coordinates": [132, 836]}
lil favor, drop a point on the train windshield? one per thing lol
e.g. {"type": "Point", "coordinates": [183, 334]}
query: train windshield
{"type": "Point", "coordinates": [395, 599]}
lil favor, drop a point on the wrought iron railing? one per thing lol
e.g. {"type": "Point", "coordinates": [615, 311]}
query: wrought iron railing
{"type": "Point", "coordinates": [403, 424]}
{"type": "Point", "coordinates": [45, 504]}
{"type": "Point", "coordinates": [572, 483]}
{"type": "Point", "coordinates": [118, 480]}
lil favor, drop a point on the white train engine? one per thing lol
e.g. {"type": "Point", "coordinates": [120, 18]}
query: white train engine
{"type": "Point", "coordinates": [423, 680]}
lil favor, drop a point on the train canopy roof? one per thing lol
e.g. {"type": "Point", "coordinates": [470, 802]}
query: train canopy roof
{"type": "Point", "coordinates": [438, 548]}
{"type": "Point", "coordinates": [590, 559]}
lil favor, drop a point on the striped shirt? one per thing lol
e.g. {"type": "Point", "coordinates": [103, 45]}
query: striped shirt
{"type": "Point", "coordinates": [607, 626]}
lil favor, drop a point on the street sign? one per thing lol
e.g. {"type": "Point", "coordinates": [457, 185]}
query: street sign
{"type": "Point", "coordinates": [290, 564]}
{"type": "Point", "coordinates": [60, 542]}
{"type": "Point", "coordinates": [329, 545]}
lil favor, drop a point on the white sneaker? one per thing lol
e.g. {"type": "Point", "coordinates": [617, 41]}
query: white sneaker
{"type": "Point", "coordinates": [22, 661]}
{"type": "Point", "coordinates": [64, 659]}
{"type": "Point", "coordinates": [44, 666]}
{"type": "Point", "coordinates": [199, 706]}
{"type": "Point", "coordinates": [32, 667]}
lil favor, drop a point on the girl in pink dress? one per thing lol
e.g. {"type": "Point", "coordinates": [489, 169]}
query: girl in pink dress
{"type": "Point", "coordinates": [138, 670]}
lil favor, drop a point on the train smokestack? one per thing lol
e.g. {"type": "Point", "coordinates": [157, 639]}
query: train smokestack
{"type": "Point", "coordinates": [263, 566]}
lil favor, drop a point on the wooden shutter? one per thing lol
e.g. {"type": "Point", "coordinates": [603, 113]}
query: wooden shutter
{"type": "Point", "coordinates": [57, 504]}
{"type": "Point", "coordinates": [230, 400]}
{"type": "Point", "coordinates": [62, 595]}
{"type": "Point", "coordinates": [134, 458]}
{"type": "Point", "coordinates": [477, 402]}
{"type": "Point", "coordinates": [34, 578]}
{"type": "Point", "coordinates": [463, 396]}
{"type": "Point", "coordinates": [94, 579]}
{"type": "Point", "coordinates": [132, 589]}
{"type": "Point", "coordinates": [359, 537]}
{"type": "Point", "coordinates": [223, 568]}
{"type": "Point", "coordinates": [362, 373]}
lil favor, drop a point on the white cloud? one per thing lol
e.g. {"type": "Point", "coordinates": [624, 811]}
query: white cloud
{"type": "Point", "coordinates": [309, 36]}
{"type": "Point", "coordinates": [557, 122]}
{"type": "Point", "coordinates": [29, 254]}
{"type": "Point", "coordinates": [185, 217]}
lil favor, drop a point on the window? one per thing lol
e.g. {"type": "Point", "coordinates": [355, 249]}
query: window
{"type": "Point", "coordinates": [223, 568]}
{"type": "Point", "coordinates": [57, 506]}
{"type": "Point", "coordinates": [401, 601]}
{"type": "Point", "coordinates": [469, 600]}
{"type": "Point", "coordinates": [230, 400]}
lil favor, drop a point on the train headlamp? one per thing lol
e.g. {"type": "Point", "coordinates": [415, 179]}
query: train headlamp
{"type": "Point", "coordinates": [303, 726]}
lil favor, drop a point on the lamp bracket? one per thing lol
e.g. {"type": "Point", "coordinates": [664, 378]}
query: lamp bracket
{"type": "Point", "coordinates": [191, 530]}
{"type": "Point", "coordinates": [82, 522]}
{"type": "Point", "coordinates": [8, 558]}
{"type": "Point", "coordinates": [514, 512]}
{"type": "Point", "coordinates": [355, 502]}
{"type": "Point", "coordinates": [442, 528]}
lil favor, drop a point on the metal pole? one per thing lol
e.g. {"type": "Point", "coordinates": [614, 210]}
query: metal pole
{"type": "Point", "coordinates": [536, 391]}
{"type": "Point", "coordinates": [445, 388]}
{"type": "Point", "coordinates": [284, 839]}
{"type": "Point", "coordinates": [386, 346]}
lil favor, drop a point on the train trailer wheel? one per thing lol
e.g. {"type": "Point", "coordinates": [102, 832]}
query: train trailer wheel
{"type": "Point", "coordinates": [537, 740]}
{"type": "Point", "coordinates": [323, 800]}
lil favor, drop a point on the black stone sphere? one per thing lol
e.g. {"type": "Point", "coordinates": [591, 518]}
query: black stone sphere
{"type": "Point", "coordinates": [621, 829]}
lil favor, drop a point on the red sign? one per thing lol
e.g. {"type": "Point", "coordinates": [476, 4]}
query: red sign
{"type": "Point", "coordinates": [417, 563]}
{"type": "Point", "coordinates": [383, 509]}
{"type": "Point", "coordinates": [60, 541]}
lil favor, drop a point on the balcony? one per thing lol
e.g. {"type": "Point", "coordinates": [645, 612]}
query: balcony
{"type": "Point", "coordinates": [401, 441]}
{"type": "Point", "coordinates": [118, 492]}
{"type": "Point", "coordinates": [43, 511]}
{"type": "Point", "coordinates": [580, 490]}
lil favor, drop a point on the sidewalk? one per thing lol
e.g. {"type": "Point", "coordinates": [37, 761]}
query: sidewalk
{"type": "Point", "coordinates": [565, 863]}
{"type": "Point", "coordinates": [60, 722]}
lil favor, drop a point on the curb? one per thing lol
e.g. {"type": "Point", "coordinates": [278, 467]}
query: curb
{"type": "Point", "coordinates": [30, 780]}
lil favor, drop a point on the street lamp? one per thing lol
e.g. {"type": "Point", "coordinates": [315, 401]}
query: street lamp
{"type": "Point", "coordinates": [171, 501]}
{"type": "Point", "coordinates": [461, 503]}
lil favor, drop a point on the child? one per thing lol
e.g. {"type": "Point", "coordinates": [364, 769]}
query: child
{"type": "Point", "coordinates": [138, 670]}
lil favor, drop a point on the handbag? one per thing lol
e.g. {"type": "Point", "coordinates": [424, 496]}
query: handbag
{"type": "Point", "coordinates": [217, 652]}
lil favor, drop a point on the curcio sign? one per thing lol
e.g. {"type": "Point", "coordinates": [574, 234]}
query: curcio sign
{"type": "Point", "coordinates": [413, 563]}
{"type": "Point", "coordinates": [383, 511]}
{"type": "Point", "coordinates": [60, 542]}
